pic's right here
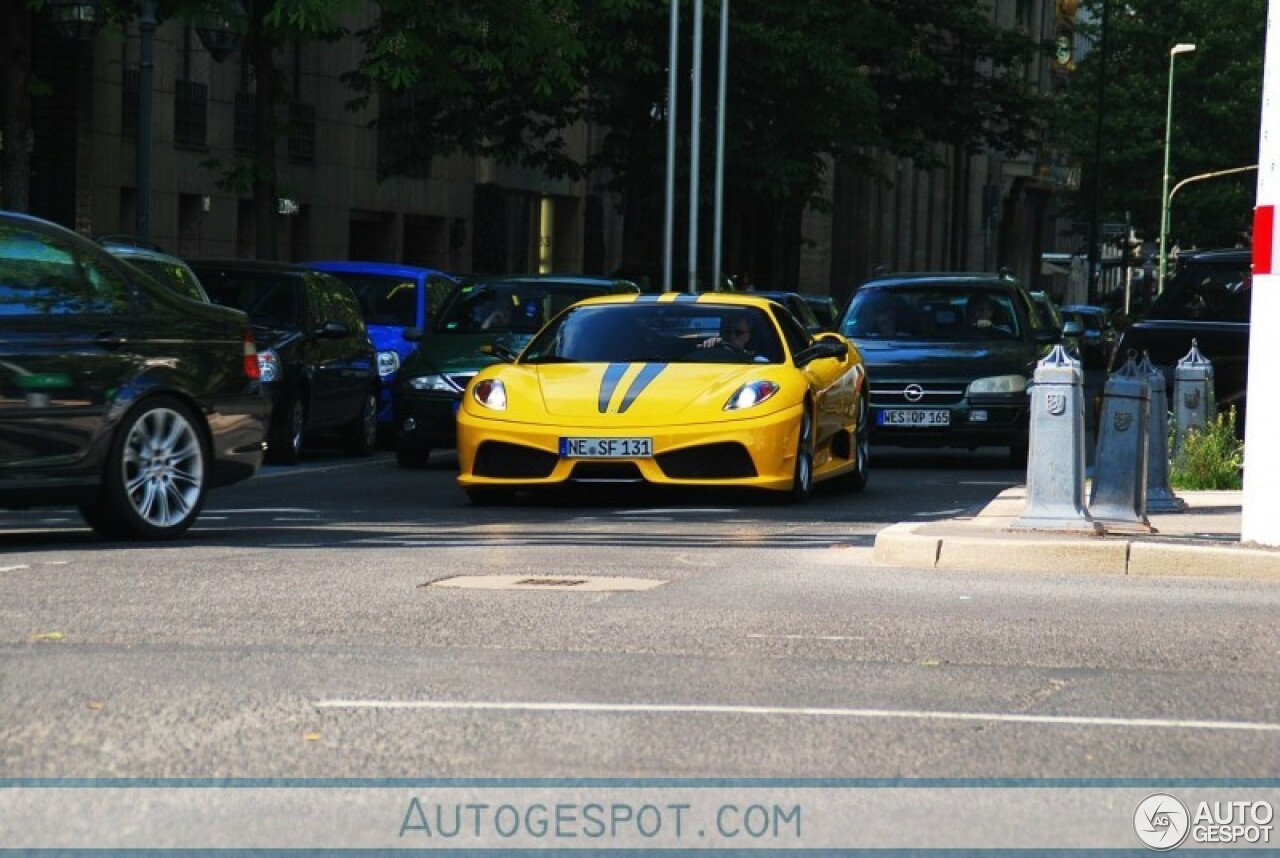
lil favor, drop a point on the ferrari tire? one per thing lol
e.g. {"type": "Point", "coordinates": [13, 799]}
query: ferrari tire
{"type": "Point", "coordinates": [802, 480]}
{"type": "Point", "coordinates": [156, 480]}
{"type": "Point", "coordinates": [857, 478]}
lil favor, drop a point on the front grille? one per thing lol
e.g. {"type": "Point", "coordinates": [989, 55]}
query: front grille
{"type": "Point", "coordinates": [927, 393]}
{"type": "Point", "coordinates": [512, 461]}
{"type": "Point", "coordinates": [724, 461]}
{"type": "Point", "coordinates": [606, 472]}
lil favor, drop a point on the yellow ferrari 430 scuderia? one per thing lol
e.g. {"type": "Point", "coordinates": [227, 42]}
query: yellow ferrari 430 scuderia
{"type": "Point", "coordinates": [715, 389]}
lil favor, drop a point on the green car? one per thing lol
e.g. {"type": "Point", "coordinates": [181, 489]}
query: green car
{"type": "Point", "coordinates": [481, 320]}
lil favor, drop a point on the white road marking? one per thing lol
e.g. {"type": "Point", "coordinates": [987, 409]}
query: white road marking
{"type": "Point", "coordinates": [714, 709]}
{"type": "Point", "coordinates": [14, 568]}
{"type": "Point", "coordinates": [955, 511]}
{"type": "Point", "coordinates": [807, 637]}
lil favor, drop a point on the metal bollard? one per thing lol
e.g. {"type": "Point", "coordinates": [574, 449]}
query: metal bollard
{"type": "Point", "coordinates": [1193, 401]}
{"type": "Point", "coordinates": [1160, 496]}
{"type": "Point", "coordinates": [1055, 464]}
{"type": "Point", "coordinates": [1119, 497]}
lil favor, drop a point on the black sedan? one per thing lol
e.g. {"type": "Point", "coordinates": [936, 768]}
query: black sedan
{"type": "Point", "coordinates": [116, 394]}
{"type": "Point", "coordinates": [949, 358]}
{"type": "Point", "coordinates": [318, 364]}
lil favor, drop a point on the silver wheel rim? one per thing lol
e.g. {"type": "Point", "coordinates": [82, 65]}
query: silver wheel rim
{"type": "Point", "coordinates": [298, 419]}
{"type": "Point", "coordinates": [163, 468]}
{"type": "Point", "coordinates": [371, 421]}
{"type": "Point", "coordinates": [804, 462]}
{"type": "Point", "coordinates": [862, 440]}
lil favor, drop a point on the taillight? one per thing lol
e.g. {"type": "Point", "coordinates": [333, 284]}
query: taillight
{"type": "Point", "coordinates": [251, 368]}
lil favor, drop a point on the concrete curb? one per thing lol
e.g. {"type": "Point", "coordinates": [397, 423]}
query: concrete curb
{"type": "Point", "coordinates": [984, 542]}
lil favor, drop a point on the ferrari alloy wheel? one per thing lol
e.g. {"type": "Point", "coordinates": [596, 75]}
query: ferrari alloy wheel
{"type": "Point", "coordinates": [857, 480]}
{"type": "Point", "coordinates": [802, 482]}
{"type": "Point", "coordinates": [155, 483]}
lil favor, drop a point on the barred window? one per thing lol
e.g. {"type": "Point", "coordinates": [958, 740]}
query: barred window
{"type": "Point", "coordinates": [245, 129]}
{"type": "Point", "coordinates": [302, 132]}
{"type": "Point", "coordinates": [190, 115]}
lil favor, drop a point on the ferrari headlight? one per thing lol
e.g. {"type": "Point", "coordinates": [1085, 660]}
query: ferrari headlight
{"type": "Point", "coordinates": [433, 382]}
{"type": "Point", "coordinates": [750, 394]}
{"type": "Point", "coordinates": [269, 365]}
{"type": "Point", "coordinates": [388, 363]}
{"type": "Point", "coordinates": [999, 384]}
{"type": "Point", "coordinates": [490, 393]}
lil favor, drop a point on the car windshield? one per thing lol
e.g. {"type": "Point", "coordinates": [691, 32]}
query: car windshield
{"type": "Point", "coordinates": [1218, 292]}
{"type": "Point", "coordinates": [509, 307]}
{"type": "Point", "coordinates": [269, 300]}
{"type": "Point", "coordinates": [659, 333]}
{"type": "Point", "coordinates": [931, 313]}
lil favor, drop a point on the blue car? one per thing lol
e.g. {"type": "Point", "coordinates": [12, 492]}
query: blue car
{"type": "Point", "coordinates": [393, 297]}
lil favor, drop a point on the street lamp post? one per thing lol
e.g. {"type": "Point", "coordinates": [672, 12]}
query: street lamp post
{"type": "Point", "coordinates": [1180, 48]}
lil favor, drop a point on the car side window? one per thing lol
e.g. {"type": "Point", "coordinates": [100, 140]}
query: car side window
{"type": "Point", "coordinates": [344, 308]}
{"type": "Point", "coordinates": [796, 336]}
{"type": "Point", "coordinates": [40, 277]}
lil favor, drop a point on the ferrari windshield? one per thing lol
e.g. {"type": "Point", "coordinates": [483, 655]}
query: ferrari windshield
{"type": "Point", "coordinates": [679, 332]}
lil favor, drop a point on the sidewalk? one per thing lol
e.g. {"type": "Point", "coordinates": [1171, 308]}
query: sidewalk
{"type": "Point", "coordinates": [1203, 541]}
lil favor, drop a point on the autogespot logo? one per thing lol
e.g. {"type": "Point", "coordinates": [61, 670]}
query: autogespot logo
{"type": "Point", "coordinates": [1161, 821]}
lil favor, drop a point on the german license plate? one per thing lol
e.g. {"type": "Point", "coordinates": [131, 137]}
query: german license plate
{"type": "Point", "coordinates": [606, 448]}
{"type": "Point", "coordinates": [913, 417]}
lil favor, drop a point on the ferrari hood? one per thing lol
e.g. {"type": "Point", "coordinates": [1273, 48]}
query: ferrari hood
{"type": "Point", "coordinates": [653, 393]}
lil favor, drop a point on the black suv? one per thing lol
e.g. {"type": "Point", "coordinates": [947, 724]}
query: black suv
{"type": "Point", "coordinates": [949, 358]}
{"type": "Point", "coordinates": [117, 394]}
{"type": "Point", "coordinates": [318, 364]}
{"type": "Point", "coordinates": [1206, 300]}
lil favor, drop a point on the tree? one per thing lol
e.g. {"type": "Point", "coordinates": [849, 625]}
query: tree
{"type": "Point", "coordinates": [1216, 115]}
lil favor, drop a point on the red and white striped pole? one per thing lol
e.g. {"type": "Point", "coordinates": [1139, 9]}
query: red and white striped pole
{"type": "Point", "coordinates": [1261, 522]}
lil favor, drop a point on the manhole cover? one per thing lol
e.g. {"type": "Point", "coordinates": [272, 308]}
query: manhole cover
{"type": "Point", "coordinates": [548, 582]}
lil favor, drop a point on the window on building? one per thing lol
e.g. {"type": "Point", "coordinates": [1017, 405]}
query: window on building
{"type": "Point", "coordinates": [245, 131]}
{"type": "Point", "coordinates": [302, 133]}
{"type": "Point", "coordinates": [129, 102]}
{"type": "Point", "coordinates": [190, 114]}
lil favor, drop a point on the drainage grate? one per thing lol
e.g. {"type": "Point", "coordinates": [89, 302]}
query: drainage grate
{"type": "Point", "coordinates": [550, 582]}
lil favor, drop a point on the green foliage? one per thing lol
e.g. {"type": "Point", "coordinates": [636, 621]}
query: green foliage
{"type": "Point", "coordinates": [1216, 115]}
{"type": "Point", "coordinates": [1210, 458]}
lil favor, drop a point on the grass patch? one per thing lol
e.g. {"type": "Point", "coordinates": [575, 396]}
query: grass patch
{"type": "Point", "coordinates": [1210, 458]}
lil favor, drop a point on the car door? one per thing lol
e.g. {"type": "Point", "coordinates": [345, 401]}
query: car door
{"type": "Point", "coordinates": [65, 325]}
{"type": "Point", "coordinates": [829, 380]}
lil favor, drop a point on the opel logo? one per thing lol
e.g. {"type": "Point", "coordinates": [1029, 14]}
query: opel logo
{"type": "Point", "coordinates": [913, 393]}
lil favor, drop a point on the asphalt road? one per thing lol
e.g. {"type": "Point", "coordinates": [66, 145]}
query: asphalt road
{"type": "Point", "coordinates": [307, 628]}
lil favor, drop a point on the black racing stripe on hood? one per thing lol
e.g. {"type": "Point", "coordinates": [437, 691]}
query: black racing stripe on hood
{"type": "Point", "coordinates": [647, 374]}
{"type": "Point", "coordinates": [612, 375]}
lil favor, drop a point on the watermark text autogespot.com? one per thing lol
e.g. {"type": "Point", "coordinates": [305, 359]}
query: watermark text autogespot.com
{"type": "Point", "coordinates": [568, 821]}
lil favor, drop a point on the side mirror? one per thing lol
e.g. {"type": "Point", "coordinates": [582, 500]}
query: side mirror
{"type": "Point", "coordinates": [413, 335]}
{"type": "Point", "coordinates": [331, 330]}
{"type": "Point", "coordinates": [827, 347]}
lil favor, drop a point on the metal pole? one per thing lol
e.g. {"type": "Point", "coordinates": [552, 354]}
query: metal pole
{"type": "Point", "coordinates": [1164, 193]}
{"type": "Point", "coordinates": [695, 116]}
{"type": "Point", "coordinates": [669, 215]}
{"type": "Point", "coordinates": [718, 238]}
{"type": "Point", "coordinates": [1091, 281]}
{"type": "Point", "coordinates": [146, 85]}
